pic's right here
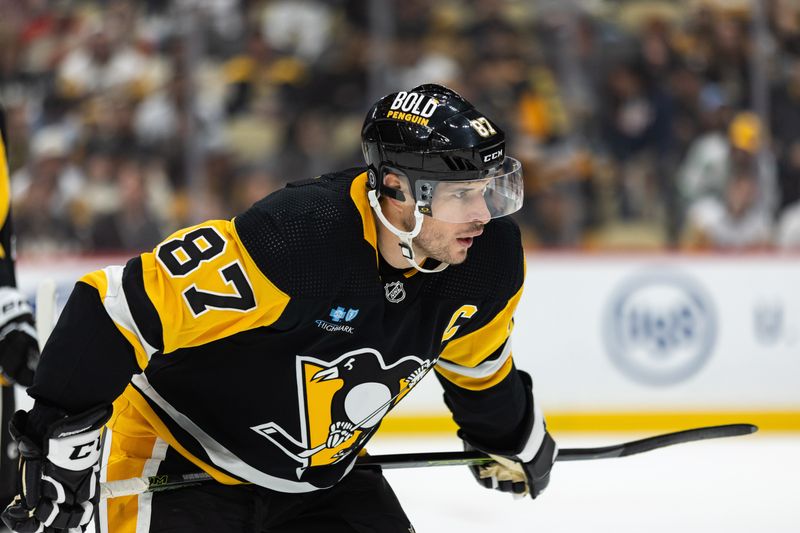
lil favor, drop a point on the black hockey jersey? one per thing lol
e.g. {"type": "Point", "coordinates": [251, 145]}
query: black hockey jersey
{"type": "Point", "coordinates": [267, 349]}
{"type": "Point", "coordinates": [7, 277]}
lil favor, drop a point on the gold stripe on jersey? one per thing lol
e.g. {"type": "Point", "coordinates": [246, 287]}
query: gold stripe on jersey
{"type": "Point", "coordinates": [160, 429]}
{"type": "Point", "coordinates": [181, 327]}
{"type": "Point", "coordinates": [99, 280]}
{"type": "Point", "coordinates": [358, 193]}
{"type": "Point", "coordinates": [5, 191]}
{"type": "Point", "coordinates": [132, 446]}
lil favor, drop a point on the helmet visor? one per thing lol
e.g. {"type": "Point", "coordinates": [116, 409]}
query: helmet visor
{"type": "Point", "coordinates": [498, 194]}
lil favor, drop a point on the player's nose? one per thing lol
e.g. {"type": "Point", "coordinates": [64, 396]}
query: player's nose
{"type": "Point", "coordinates": [478, 211]}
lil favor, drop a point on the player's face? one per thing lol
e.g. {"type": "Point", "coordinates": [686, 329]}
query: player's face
{"type": "Point", "coordinates": [447, 241]}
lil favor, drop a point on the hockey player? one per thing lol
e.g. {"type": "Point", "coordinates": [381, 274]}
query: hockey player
{"type": "Point", "coordinates": [19, 350]}
{"type": "Point", "coordinates": [265, 350]}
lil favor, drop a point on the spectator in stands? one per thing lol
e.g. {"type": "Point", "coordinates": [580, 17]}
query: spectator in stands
{"type": "Point", "coordinates": [705, 168]}
{"type": "Point", "coordinates": [101, 64]}
{"type": "Point", "coordinates": [737, 221]}
{"type": "Point", "coordinates": [637, 130]}
{"type": "Point", "coordinates": [788, 231]}
{"type": "Point", "coordinates": [133, 226]}
{"type": "Point", "coordinates": [268, 80]}
{"type": "Point", "coordinates": [299, 27]}
{"type": "Point", "coordinates": [45, 192]}
{"type": "Point", "coordinates": [710, 159]}
{"type": "Point", "coordinates": [785, 125]}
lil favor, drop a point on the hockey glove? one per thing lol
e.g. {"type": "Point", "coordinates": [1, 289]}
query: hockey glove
{"type": "Point", "coordinates": [524, 470]}
{"type": "Point", "coordinates": [513, 474]}
{"type": "Point", "coordinates": [58, 473]}
{"type": "Point", "coordinates": [19, 349]}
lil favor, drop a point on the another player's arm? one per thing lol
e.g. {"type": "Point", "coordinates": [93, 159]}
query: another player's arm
{"type": "Point", "coordinates": [19, 350]}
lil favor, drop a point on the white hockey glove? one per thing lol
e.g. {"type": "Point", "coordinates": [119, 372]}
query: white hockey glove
{"type": "Point", "coordinates": [58, 474]}
{"type": "Point", "coordinates": [19, 349]}
{"type": "Point", "coordinates": [520, 472]}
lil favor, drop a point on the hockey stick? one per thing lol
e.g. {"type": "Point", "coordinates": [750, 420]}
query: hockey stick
{"type": "Point", "coordinates": [45, 310]}
{"type": "Point", "coordinates": [139, 485]}
{"type": "Point", "coordinates": [412, 460]}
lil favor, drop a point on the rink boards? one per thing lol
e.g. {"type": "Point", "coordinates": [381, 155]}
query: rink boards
{"type": "Point", "coordinates": [619, 342]}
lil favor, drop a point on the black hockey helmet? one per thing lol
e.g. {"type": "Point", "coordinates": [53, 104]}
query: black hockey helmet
{"type": "Point", "coordinates": [433, 136]}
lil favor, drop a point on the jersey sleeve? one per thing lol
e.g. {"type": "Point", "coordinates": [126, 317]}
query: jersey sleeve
{"type": "Point", "coordinates": [7, 274]}
{"type": "Point", "coordinates": [489, 399]}
{"type": "Point", "coordinates": [7, 277]}
{"type": "Point", "coordinates": [198, 286]}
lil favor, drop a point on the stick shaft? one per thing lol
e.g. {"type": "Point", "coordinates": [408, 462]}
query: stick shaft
{"type": "Point", "coordinates": [45, 310]}
{"type": "Point", "coordinates": [411, 460]}
{"type": "Point", "coordinates": [133, 486]}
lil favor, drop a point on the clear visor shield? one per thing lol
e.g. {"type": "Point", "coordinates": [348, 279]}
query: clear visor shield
{"type": "Point", "coordinates": [498, 194]}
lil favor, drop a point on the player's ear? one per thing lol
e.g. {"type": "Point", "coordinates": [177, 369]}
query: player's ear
{"type": "Point", "coordinates": [398, 183]}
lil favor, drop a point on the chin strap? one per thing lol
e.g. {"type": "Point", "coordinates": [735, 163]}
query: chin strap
{"type": "Point", "coordinates": [406, 247]}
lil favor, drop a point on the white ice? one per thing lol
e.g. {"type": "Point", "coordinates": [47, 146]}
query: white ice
{"type": "Point", "coordinates": [732, 485]}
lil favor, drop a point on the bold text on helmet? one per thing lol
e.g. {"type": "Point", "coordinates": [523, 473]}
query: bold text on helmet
{"type": "Point", "coordinates": [414, 103]}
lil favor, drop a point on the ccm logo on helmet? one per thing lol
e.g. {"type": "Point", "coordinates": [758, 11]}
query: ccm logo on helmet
{"type": "Point", "coordinates": [494, 155]}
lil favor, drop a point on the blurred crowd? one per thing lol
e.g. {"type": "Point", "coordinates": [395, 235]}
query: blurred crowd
{"type": "Point", "coordinates": [640, 124]}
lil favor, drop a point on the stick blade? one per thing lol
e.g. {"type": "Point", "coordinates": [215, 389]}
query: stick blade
{"type": "Point", "coordinates": [659, 441]}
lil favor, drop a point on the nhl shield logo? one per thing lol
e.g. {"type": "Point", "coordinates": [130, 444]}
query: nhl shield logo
{"type": "Point", "coordinates": [395, 292]}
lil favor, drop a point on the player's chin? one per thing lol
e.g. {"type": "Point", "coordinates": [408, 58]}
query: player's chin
{"type": "Point", "coordinates": [457, 255]}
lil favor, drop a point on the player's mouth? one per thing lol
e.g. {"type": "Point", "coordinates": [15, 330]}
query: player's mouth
{"type": "Point", "coordinates": [466, 242]}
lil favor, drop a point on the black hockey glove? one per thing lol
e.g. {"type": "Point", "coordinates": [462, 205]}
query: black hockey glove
{"type": "Point", "coordinates": [524, 470]}
{"type": "Point", "coordinates": [513, 474]}
{"type": "Point", "coordinates": [58, 473]}
{"type": "Point", "coordinates": [19, 349]}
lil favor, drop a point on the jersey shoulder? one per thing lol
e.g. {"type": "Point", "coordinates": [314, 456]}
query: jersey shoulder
{"type": "Point", "coordinates": [494, 268]}
{"type": "Point", "coordinates": [308, 238]}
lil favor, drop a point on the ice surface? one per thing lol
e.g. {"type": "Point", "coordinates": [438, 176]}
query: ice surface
{"type": "Point", "coordinates": [740, 484]}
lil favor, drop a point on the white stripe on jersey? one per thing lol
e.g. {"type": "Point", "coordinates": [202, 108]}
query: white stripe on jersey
{"type": "Point", "coordinates": [116, 305]}
{"type": "Point", "coordinates": [483, 370]}
{"type": "Point", "coordinates": [145, 503]}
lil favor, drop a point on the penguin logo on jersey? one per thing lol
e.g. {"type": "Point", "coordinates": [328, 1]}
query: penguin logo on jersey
{"type": "Point", "coordinates": [341, 403]}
